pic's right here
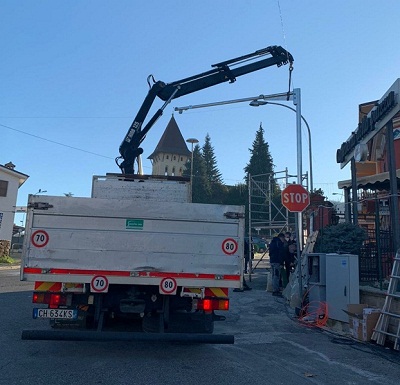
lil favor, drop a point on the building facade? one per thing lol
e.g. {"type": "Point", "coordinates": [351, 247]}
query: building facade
{"type": "Point", "coordinates": [372, 193]}
{"type": "Point", "coordinates": [10, 181]}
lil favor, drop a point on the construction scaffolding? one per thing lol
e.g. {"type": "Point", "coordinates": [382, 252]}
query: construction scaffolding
{"type": "Point", "coordinates": [266, 214]}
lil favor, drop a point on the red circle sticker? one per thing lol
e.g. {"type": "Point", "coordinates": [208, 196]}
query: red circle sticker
{"type": "Point", "coordinates": [229, 246]}
{"type": "Point", "coordinates": [99, 284]}
{"type": "Point", "coordinates": [39, 238]}
{"type": "Point", "coordinates": [168, 286]}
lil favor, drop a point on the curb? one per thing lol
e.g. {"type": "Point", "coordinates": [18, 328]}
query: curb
{"type": "Point", "coordinates": [9, 267]}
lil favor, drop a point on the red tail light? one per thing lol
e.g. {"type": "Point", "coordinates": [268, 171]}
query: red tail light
{"type": "Point", "coordinates": [210, 304]}
{"type": "Point", "coordinates": [54, 300]}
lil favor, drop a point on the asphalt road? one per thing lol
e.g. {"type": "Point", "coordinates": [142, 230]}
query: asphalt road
{"type": "Point", "coordinates": [271, 347]}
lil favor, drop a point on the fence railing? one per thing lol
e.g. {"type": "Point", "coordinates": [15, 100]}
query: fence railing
{"type": "Point", "coordinates": [376, 257]}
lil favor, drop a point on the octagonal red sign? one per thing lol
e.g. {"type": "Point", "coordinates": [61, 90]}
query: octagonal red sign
{"type": "Point", "coordinates": [295, 198]}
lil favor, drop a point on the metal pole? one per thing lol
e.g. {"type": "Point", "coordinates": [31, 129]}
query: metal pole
{"type": "Point", "coordinates": [309, 142]}
{"type": "Point", "coordinates": [249, 189]}
{"type": "Point", "coordinates": [191, 177]}
{"type": "Point", "coordinates": [299, 216]}
{"type": "Point", "coordinates": [192, 141]}
{"type": "Point", "coordinates": [354, 198]}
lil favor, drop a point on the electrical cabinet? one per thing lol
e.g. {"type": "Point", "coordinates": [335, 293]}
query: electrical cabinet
{"type": "Point", "coordinates": [317, 280]}
{"type": "Point", "coordinates": [342, 284]}
{"type": "Point", "coordinates": [334, 279]}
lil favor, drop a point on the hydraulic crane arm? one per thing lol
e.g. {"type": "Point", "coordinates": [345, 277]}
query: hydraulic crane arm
{"type": "Point", "coordinates": [222, 72]}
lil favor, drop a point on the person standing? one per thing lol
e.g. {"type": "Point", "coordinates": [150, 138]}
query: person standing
{"type": "Point", "coordinates": [276, 255]}
{"type": "Point", "coordinates": [288, 259]}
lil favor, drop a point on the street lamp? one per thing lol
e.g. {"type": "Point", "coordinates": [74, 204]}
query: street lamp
{"type": "Point", "coordinates": [192, 141]}
{"type": "Point", "coordinates": [295, 96]}
{"type": "Point", "coordinates": [40, 192]}
{"type": "Point", "coordinates": [257, 103]}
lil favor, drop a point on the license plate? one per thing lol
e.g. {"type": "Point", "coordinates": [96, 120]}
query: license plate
{"type": "Point", "coordinates": [55, 313]}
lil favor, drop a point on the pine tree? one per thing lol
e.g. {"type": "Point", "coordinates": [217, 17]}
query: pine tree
{"type": "Point", "coordinates": [218, 189]}
{"type": "Point", "coordinates": [213, 174]}
{"type": "Point", "coordinates": [261, 168]}
{"type": "Point", "coordinates": [201, 187]}
{"type": "Point", "coordinates": [261, 161]}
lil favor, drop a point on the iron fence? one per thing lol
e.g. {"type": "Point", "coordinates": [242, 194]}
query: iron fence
{"type": "Point", "coordinates": [376, 257]}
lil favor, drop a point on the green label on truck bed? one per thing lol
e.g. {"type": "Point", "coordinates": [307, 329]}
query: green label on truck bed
{"type": "Point", "coordinates": [134, 224]}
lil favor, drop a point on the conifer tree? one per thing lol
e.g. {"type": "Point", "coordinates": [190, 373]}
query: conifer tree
{"type": "Point", "coordinates": [213, 174]}
{"type": "Point", "coordinates": [201, 187]}
{"type": "Point", "coordinates": [261, 161]}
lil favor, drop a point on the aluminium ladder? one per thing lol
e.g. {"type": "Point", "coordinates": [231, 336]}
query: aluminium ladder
{"type": "Point", "coordinates": [388, 312]}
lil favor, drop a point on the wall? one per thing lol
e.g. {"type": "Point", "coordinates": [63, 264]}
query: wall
{"type": "Point", "coordinates": [7, 206]}
{"type": "Point", "coordinates": [174, 161]}
{"type": "Point", "coordinates": [376, 298]}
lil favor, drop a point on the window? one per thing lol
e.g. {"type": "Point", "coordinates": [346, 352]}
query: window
{"type": "Point", "coordinates": [166, 171]}
{"type": "Point", "coordinates": [173, 171]}
{"type": "Point", "coordinates": [3, 188]}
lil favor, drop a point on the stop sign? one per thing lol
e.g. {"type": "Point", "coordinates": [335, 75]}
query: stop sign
{"type": "Point", "coordinates": [295, 198]}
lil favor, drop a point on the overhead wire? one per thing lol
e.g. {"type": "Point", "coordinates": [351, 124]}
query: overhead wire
{"type": "Point", "coordinates": [54, 142]}
{"type": "Point", "coordinates": [285, 45]}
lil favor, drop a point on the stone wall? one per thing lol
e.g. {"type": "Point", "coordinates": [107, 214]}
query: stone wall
{"type": "Point", "coordinates": [4, 248]}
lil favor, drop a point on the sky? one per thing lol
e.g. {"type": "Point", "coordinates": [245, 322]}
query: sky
{"type": "Point", "coordinates": [74, 76]}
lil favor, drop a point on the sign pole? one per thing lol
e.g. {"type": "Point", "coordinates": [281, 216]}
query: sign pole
{"type": "Point", "coordinates": [296, 198]}
{"type": "Point", "coordinates": [299, 216]}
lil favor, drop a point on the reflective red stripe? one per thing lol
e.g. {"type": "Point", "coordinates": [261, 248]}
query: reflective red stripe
{"type": "Point", "coordinates": [152, 274]}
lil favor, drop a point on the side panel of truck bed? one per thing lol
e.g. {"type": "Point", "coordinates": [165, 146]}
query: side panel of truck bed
{"type": "Point", "coordinates": [133, 241]}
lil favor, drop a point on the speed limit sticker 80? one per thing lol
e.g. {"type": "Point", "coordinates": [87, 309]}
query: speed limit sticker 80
{"type": "Point", "coordinates": [229, 246]}
{"type": "Point", "coordinates": [168, 286]}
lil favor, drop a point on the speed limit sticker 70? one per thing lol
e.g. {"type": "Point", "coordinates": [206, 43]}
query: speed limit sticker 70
{"type": "Point", "coordinates": [229, 246]}
{"type": "Point", "coordinates": [168, 286]}
{"type": "Point", "coordinates": [40, 238]}
{"type": "Point", "coordinates": [99, 284]}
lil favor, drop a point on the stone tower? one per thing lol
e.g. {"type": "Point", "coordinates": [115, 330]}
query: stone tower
{"type": "Point", "coordinates": [171, 154]}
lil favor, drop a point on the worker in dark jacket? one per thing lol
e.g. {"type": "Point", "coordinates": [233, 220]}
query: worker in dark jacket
{"type": "Point", "coordinates": [276, 258]}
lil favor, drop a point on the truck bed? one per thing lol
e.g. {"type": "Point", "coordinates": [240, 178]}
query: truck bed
{"type": "Point", "coordinates": [132, 242]}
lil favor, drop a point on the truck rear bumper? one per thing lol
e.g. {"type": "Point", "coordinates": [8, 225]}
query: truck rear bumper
{"type": "Point", "coordinates": [72, 335]}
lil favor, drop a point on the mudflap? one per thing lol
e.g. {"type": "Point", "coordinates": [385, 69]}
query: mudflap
{"type": "Point", "coordinates": [74, 335]}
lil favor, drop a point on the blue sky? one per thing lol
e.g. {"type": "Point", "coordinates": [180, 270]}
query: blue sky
{"type": "Point", "coordinates": [74, 73]}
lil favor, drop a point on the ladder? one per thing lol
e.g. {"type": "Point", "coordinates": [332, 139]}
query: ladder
{"type": "Point", "coordinates": [389, 314]}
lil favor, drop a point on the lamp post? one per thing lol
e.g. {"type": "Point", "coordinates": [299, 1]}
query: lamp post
{"type": "Point", "coordinates": [256, 103]}
{"type": "Point", "coordinates": [40, 192]}
{"type": "Point", "coordinates": [295, 96]}
{"type": "Point", "coordinates": [192, 141]}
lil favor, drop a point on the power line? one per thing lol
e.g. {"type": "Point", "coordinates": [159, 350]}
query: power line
{"type": "Point", "coordinates": [54, 142]}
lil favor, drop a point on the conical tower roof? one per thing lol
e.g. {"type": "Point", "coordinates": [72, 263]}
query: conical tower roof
{"type": "Point", "coordinates": [172, 141]}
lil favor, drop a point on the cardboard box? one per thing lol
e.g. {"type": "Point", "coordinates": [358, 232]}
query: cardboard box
{"type": "Point", "coordinates": [362, 320]}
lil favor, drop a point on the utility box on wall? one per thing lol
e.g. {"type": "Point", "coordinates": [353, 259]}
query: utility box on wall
{"type": "Point", "coordinates": [342, 284]}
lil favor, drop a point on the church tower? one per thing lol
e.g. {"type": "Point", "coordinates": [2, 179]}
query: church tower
{"type": "Point", "coordinates": [171, 154]}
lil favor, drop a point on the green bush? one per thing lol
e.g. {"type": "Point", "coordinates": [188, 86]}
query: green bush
{"type": "Point", "coordinates": [340, 238]}
{"type": "Point", "coordinates": [6, 259]}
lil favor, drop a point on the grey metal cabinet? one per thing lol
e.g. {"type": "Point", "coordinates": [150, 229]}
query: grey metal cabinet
{"type": "Point", "coordinates": [342, 284]}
